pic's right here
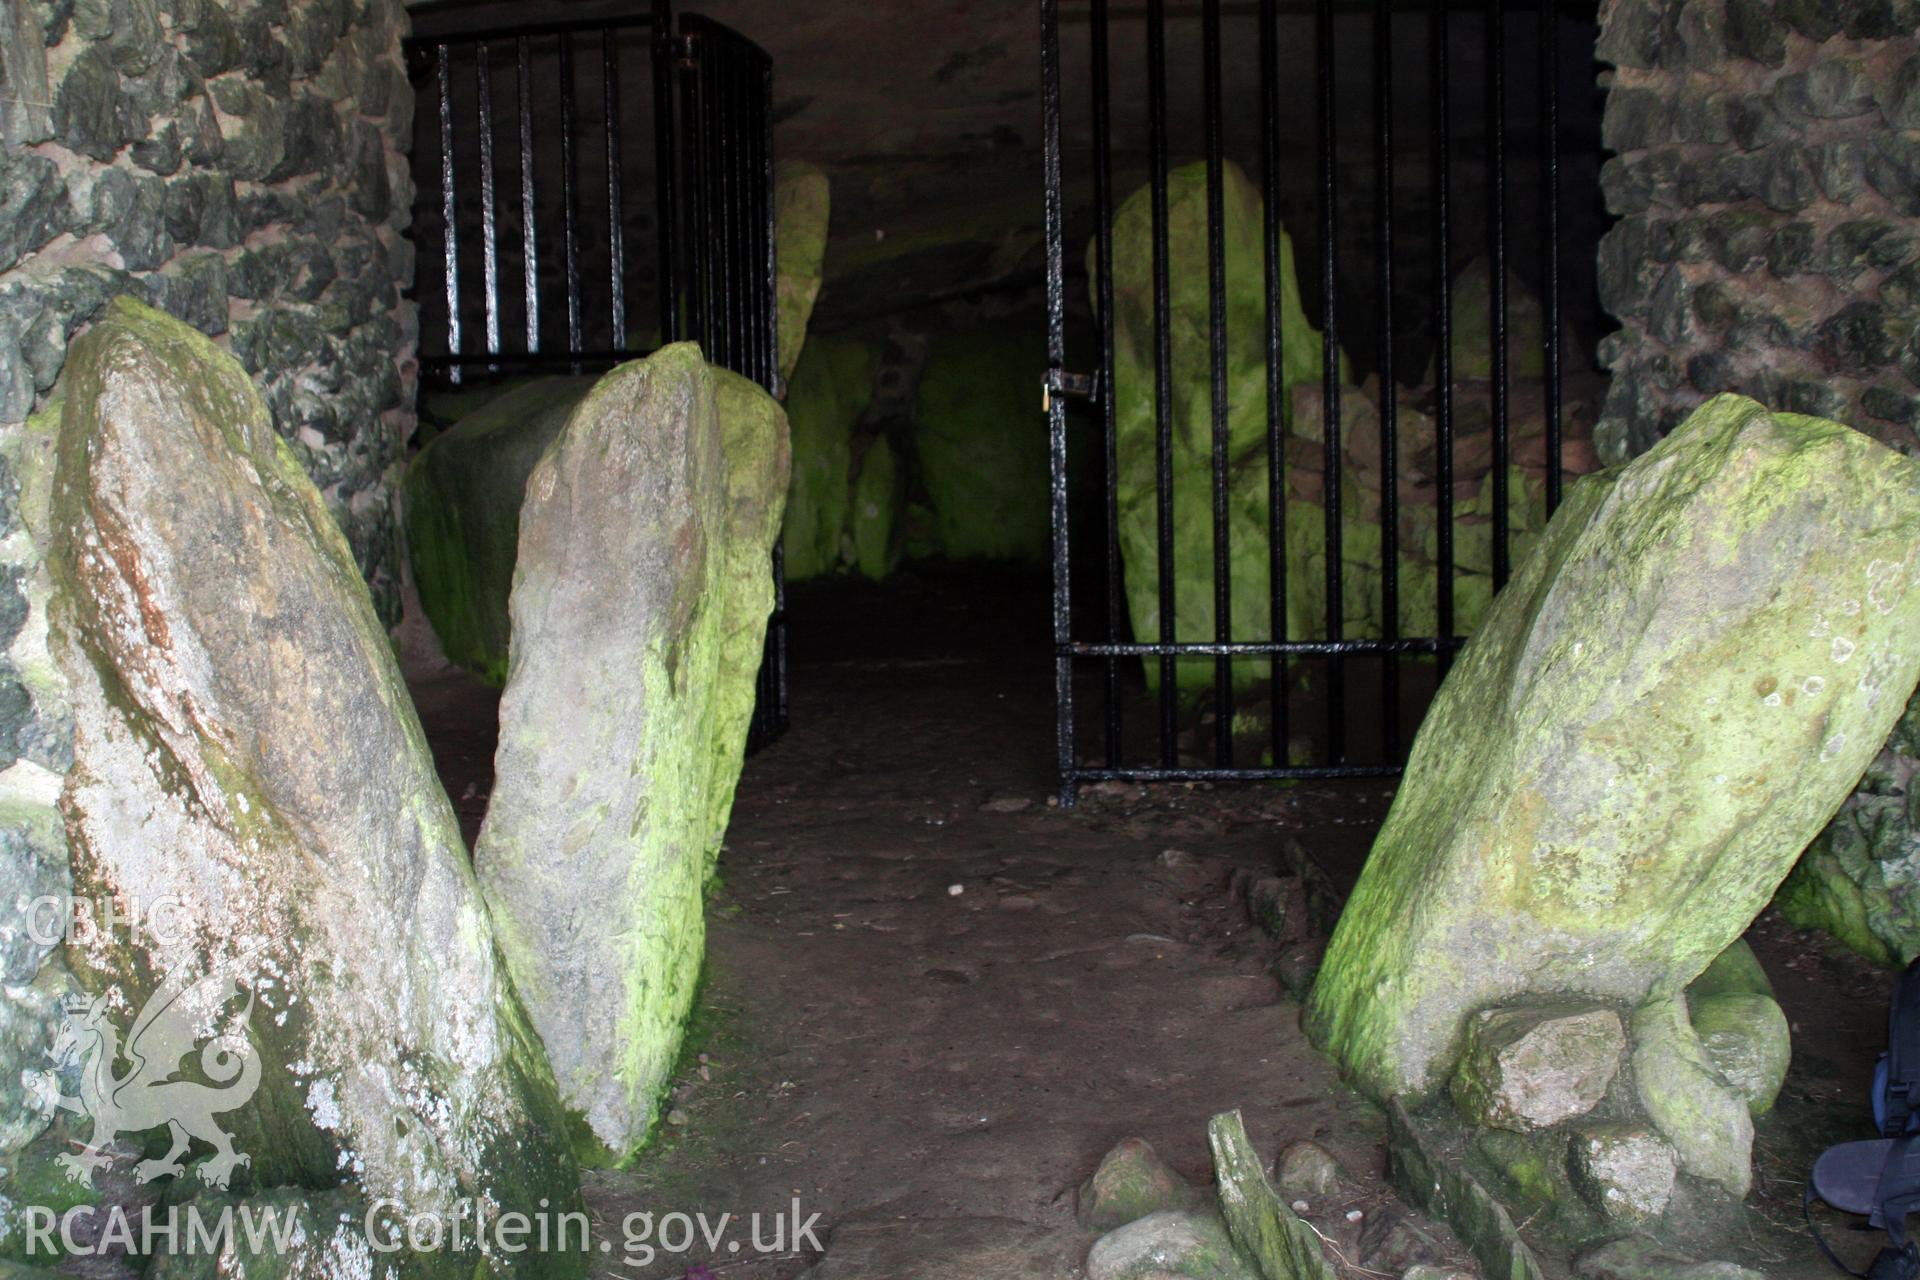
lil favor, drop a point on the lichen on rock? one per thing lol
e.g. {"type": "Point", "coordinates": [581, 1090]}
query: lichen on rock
{"type": "Point", "coordinates": [246, 749]}
{"type": "Point", "coordinates": [1669, 698]}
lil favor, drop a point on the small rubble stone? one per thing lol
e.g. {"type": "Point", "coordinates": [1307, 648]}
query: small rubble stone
{"type": "Point", "coordinates": [1534, 1066]}
{"type": "Point", "coordinates": [1747, 1039]}
{"type": "Point", "coordinates": [1624, 1171]}
{"type": "Point", "coordinates": [1131, 1182]}
{"type": "Point", "coordinates": [1306, 1167]}
{"type": "Point", "coordinates": [1639, 1259]}
{"type": "Point", "coordinates": [1391, 1242]}
{"type": "Point", "coordinates": [1192, 1245]}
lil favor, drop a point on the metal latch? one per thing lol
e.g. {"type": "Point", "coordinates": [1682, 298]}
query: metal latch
{"type": "Point", "coordinates": [1060, 382]}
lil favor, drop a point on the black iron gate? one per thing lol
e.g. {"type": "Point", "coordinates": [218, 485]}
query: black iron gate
{"type": "Point", "coordinates": [1359, 693]}
{"type": "Point", "coordinates": [703, 192]}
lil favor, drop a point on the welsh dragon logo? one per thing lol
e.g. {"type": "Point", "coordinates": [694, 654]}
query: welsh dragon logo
{"type": "Point", "coordinates": [150, 1092]}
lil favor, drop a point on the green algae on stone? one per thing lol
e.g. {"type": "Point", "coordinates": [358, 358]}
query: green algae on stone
{"type": "Point", "coordinates": [802, 201]}
{"type": "Point", "coordinates": [1701, 1116]}
{"type": "Point", "coordinates": [831, 389]}
{"type": "Point", "coordinates": [593, 855]}
{"type": "Point", "coordinates": [982, 445]}
{"type": "Point", "coordinates": [1267, 1230]}
{"type": "Point", "coordinates": [1193, 1245]}
{"type": "Point", "coordinates": [240, 721]}
{"type": "Point", "coordinates": [1131, 1182]}
{"type": "Point", "coordinates": [753, 437]}
{"type": "Point", "coordinates": [1673, 693]}
{"type": "Point", "coordinates": [1471, 300]}
{"type": "Point", "coordinates": [1246, 446]}
{"type": "Point", "coordinates": [873, 524]}
{"type": "Point", "coordinates": [1736, 969]}
{"type": "Point", "coordinates": [463, 495]}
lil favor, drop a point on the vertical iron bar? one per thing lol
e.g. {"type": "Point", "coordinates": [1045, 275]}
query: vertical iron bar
{"type": "Point", "coordinates": [1443, 329]}
{"type": "Point", "coordinates": [1056, 410]}
{"type": "Point", "coordinates": [1330, 382]}
{"type": "Point", "coordinates": [1276, 377]}
{"type": "Point", "coordinates": [770, 278]}
{"type": "Point", "coordinates": [1389, 386]}
{"type": "Point", "coordinates": [1550, 229]}
{"type": "Point", "coordinates": [1217, 366]}
{"type": "Point", "coordinates": [489, 215]}
{"type": "Point", "coordinates": [1162, 368]}
{"type": "Point", "coordinates": [569, 186]}
{"type": "Point", "coordinates": [616, 234]}
{"type": "Point", "coordinates": [727, 140]}
{"type": "Point", "coordinates": [450, 242]}
{"type": "Point", "coordinates": [1103, 268]}
{"type": "Point", "coordinates": [666, 163]}
{"type": "Point", "coordinates": [693, 122]}
{"type": "Point", "coordinates": [529, 245]}
{"type": "Point", "coordinates": [1497, 274]}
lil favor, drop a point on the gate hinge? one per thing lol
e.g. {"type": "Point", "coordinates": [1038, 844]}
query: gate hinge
{"type": "Point", "coordinates": [685, 49]}
{"type": "Point", "coordinates": [1060, 382]}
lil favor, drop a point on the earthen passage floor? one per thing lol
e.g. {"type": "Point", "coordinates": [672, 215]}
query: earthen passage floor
{"type": "Point", "coordinates": [933, 1001]}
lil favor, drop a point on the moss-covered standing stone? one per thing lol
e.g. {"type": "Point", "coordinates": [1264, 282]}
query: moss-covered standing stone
{"type": "Point", "coordinates": [802, 201]}
{"type": "Point", "coordinates": [830, 392]}
{"type": "Point", "coordinates": [1267, 1230]}
{"type": "Point", "coordinates": [753, 438]}
{"type": "Point", "coordinates": [982, 443]}
{"type": "Point", "coordinates": [873, 523]}
{"type": "Point", "coordinates": [245, 743]}
{"type": "Point", "coordinates": [463, 495]}
{"type": "Point", "coordinates": [594, 851]}
{"type": "Point", "coordinates": [1247, 484]}
{"type": "Point", "coordinates": [1669, 698]}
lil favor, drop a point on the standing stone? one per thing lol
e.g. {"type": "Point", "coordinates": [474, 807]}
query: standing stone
{"type": "Point", "coordinates": [1671, 695]}
{"type": "Point", "coordinates": [1260, 1222]}
{"type": "Point", "coordinates": [753, 435]}
{"type": "Point", "coordinates": [831, 390]}
{"type": "Point", "coordinates": [1532, 1067]}
{"type": "Point", "coordinates": [1247, 490]}
{"type": "Point", "coordinates": [802, 200]}
{"type": "Point", "coordinates": [593, 854]}
{"type": "Point", "coordinates": [244, 743]}
{"type": "Point", "coordinates": [873, 521]}
{"type": "Point", "coordinates": [983, 448]}
{"type": "Point", "coordinates": [463, 495]}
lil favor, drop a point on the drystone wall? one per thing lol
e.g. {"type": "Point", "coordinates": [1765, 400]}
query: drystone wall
{"type": "Point", "coordinates": [1766, 178]}
{"type": "Point", "coordinates": [239, 166]}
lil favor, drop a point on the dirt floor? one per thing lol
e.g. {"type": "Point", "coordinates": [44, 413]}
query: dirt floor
{"type": "Point", "coordinates": [934, 999]}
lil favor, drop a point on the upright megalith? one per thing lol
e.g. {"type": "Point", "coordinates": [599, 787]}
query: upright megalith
{"type": "Point", "coordinates": [802, 201]}
{"type": "Point", "coordinates": [594, 851]}
{"type": "Point", "coordinates": [982, 446]}
{"type": "Point", "coordinates": [753, 439]}
{"type": "Point", "coordinates": [463, 496]}
{"type": "Point", "coordinates": [831, 391]}
{"type": "Point", "coordinates": [246, 751]}
{"type": "Point", "coordinates": [1191, 402]}
{"type": "Point", "coordinates": [1670, 698]}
